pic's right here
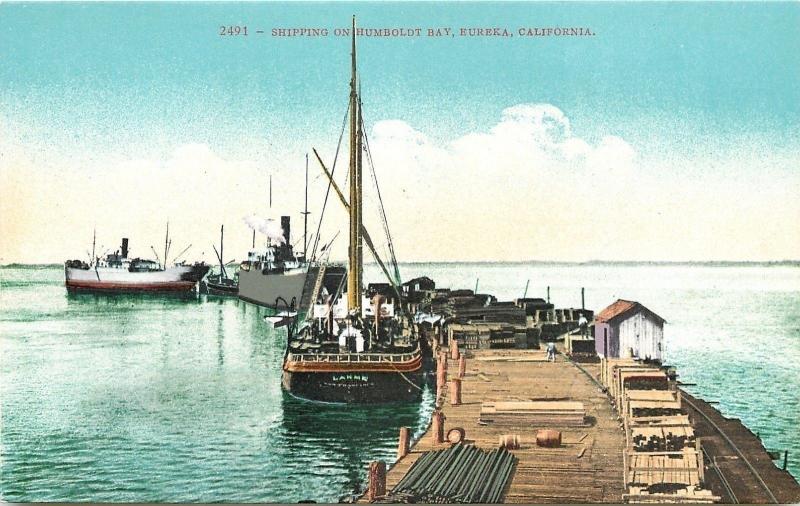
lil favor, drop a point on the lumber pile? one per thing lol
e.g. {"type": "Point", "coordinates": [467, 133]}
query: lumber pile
{"type": "Point", "coordinates": [689, 495]}
{"type": "Point", "coordinates": [661, 439]}
{"type": "Point", "coordinates": [534, 413]}
{"type": "Point", "coordinates": [636, 409]}
{"type": "Point", "coordinates": [649, 469]}
{"type": "Point", "coordinates": [487, 335]}
{"type": "Point", "coordinates": [663, 462]}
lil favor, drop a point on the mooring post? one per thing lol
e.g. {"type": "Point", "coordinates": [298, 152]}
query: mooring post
{"type": "Point", "coordinates": [454, 349]}
{"type": "Point", "coordinates": [455, 391]}
{"type": "Point", "coordinates": [403, 443]}
{"type": "Point", "coordinates": [462, 366]}
{"type": "Point", "coordinates": [437, 427]}
{"type": "Point", "coordinates": [377, 480]}
{"type": "Point", "coordinates": [441, 374]}
{"type": "Point", "coordinates": [785, 458]}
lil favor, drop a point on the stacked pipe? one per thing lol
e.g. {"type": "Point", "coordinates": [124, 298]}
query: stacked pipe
{"type": "Point", "coordinates": [459, 474]}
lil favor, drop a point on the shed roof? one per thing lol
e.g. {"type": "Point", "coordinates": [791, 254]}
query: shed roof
{"type": "Point", "coordinates": [624, 307]}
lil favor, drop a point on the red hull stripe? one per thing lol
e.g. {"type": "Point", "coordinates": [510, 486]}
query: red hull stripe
{"type": "Point", "coordinates": [104, 286]}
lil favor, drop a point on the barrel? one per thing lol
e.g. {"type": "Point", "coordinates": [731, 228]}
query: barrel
{"type": "Point", "coordinates": [548, 438]}
{"type": "Point", "coordinates": [455, 435]}
{"type": "Point", "coordinates": [509, 441]}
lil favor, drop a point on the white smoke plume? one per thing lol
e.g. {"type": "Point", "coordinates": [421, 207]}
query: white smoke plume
{"type": "Point", "coordinates": [269, 227]}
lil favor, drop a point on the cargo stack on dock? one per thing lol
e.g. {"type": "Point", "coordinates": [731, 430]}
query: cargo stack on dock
{"type": "Point", "coordinates": [609, 429]}
{"type": "Point", "coordinates": [550, 417]}
{"type": "Point", "coordinates": [663, 461]}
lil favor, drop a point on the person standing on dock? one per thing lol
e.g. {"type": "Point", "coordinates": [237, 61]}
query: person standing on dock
{"type": "Point", "coordinates": [551, 352]}
{"type": "Point", "coordinates": [583, 324]}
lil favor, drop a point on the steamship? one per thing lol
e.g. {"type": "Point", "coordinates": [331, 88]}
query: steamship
{"type": "Point", "coordinates": [277, 277]}
{"type": "Point", "coordinates": [356, 346]}
{"type": "Point", "coordinates": [116, 273]}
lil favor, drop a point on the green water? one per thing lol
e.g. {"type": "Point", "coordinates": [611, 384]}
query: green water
{"type": "Point", "coordinates": [164, 399]}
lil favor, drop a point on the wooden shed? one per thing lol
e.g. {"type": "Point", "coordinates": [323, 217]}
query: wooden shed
{"type": "Point", "coordinates": [627, 328]}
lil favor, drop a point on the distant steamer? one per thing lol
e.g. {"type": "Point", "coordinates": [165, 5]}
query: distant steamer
{"type": "Point", "coordinates": [119, 274]}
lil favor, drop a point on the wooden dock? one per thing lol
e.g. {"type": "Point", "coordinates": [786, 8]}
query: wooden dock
{"type": "Point", "coordinates": [586, 467]}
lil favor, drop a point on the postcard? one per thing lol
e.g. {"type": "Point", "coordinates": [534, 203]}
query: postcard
{"type": "Point", "coordinates": [399, 252]}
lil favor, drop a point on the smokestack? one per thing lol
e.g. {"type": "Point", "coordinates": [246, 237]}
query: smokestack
{"type": "Point", "coordinates": [285, 227]}
{"type": "Point", "coordinates": [124, 247]}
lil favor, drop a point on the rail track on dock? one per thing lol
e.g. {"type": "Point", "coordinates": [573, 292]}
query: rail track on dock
{"type": "Point", "coordinates": [735, 477]}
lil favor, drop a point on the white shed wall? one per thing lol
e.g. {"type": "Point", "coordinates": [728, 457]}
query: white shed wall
{"type": "Point", "coordinates": [643, 334]}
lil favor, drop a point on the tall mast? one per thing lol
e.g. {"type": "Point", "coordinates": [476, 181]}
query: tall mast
{"type": "Point", "coordinates": [305, 218]}
{"type": "Point", "coordinates": [94, 241]}
{"type": "Point", "coordinates": [166, 246]}
{"type": "Point", "coordinates": [355, 250]}
{"type": "Point", "coordinates": [221, 254]}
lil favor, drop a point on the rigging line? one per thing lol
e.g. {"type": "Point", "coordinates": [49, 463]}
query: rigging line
{"type": "Point", "coordinates": [404, 377]}
{"type": "Point", "coordinates": [380, 200]}
{"type": "Point", "coordinates": [330, 182]}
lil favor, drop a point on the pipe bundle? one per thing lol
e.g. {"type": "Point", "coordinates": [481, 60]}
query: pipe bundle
{"type": "Point", "coordinates": [459, 474]}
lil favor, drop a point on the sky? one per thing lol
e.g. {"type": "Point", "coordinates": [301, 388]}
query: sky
{"type": "Point", "coordinates": [671, 133]}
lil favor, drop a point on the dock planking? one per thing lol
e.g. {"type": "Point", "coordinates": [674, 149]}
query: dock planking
{"type": "Point", "coordinates": [585, 468]}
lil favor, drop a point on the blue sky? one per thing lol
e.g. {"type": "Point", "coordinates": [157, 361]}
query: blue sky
{"type": "Point", "coordinates": [698, 84]}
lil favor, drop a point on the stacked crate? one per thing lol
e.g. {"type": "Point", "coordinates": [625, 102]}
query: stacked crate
{"type": "Point", "coordinates": [663, 461]}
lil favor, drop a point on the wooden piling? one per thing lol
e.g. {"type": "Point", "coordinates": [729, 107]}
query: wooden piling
{"type": "Point", "coordinates": [454, 349]}
{"type": "Point", "coordinates": [437, 427]}
{"type": "Point", "coordinates": [455, 391]}
{"type": "Point", "coordinates": [377, 480]}
{"type": "Point", "coordinates": [462, 366]}
{"type": "Point", "coordinates": [403, 443]}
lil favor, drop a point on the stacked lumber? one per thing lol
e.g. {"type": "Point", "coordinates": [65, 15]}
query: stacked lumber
{"type": "Point", "coordinates": [690, 495]}
{"type": "Point", "coordinates": [487, 335]}
{"type": "Point", "coordinates": [661, 439]}
{"type": "Point", "coordinates": [660, 421]}
{"type": "Point", "coordinates": [637, 379]}
{"type": "Point", "coordinates": [534, 413]}
{"type": "Point", "coordinates": [663, 462]}
{"type": "Point", "coordinates": [636, 409]}
{"type": "Point", "coordinates": [494, 313]}
{"type": "Point", "coordinates": [607, 366]}
{"type": "Point", "coordinates": [654, 469]}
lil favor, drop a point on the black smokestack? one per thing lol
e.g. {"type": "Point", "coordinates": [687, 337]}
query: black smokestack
{"type": "Point", "coordinates": [285, 227]}
{"type": "Point", "coordinates": [124, 247]}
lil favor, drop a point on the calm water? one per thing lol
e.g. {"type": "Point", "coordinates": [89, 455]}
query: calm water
{"type": "Point", "coordinates": [143, 399]}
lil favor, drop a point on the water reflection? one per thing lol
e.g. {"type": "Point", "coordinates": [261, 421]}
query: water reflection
{"type": "Point", "coordinates": [122, 299]}
{"type": "Point", "coordinates": [351, 435]}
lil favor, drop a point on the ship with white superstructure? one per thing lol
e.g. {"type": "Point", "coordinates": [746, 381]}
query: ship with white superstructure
{"type": "Point", "coordinates": [116, 273]}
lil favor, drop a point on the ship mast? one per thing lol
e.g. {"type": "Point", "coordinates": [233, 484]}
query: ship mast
{"type": "Point", "coordinates": [305, 218]}
{"type": "Point", "coordinates": [354, 283]}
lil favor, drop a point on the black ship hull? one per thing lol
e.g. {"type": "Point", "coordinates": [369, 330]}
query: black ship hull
{"type": "Point", "coordinates": [222, 290]}
{"type": "Point", "coordinates": [362, 387]}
